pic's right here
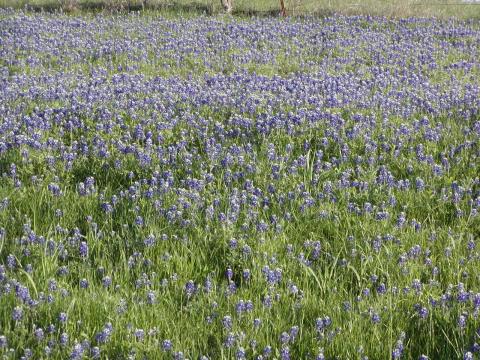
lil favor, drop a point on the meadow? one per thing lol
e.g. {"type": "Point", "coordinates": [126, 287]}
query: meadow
{"type": "Point", "coordinates": [213, 187]}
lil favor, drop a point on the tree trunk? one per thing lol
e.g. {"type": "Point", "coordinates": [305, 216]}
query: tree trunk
{"type": "Point", "coordinates": [227, 6]}
{"type": "Point", "coordinates": [284, 11]}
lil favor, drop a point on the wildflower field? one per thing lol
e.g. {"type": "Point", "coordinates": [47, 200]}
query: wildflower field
{"type": "Point", "coordinates": [225, 188]}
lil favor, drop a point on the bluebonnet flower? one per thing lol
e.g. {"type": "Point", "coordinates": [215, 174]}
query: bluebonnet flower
{"type": "Point", "coordinates": [104, 335]}
{"type": "Point", "coordinates": [227, 322]}
{"type": "Point", "coordinates": [63, 270]}
{"type": "Point", "coordinates": [401, 220]}
{"type": "Point", "coordinates": [151, 297]}
{"type": "Point", "coordinates": [11, 261]}
{"type": "Point", "coordinates": [240, 354]}
{"type": "Point", "coordinates": [77, 352]}
{"type": "Point", "coordinates": [178, 355]}
{"type": "Point", "coordinates": [285, 353]}
{"type": "Point", "coordinates": [462, 321]}
{"type": "Point", "coordinates": [22, 292]}
{"type": "Point", "coordinates": [55, 189]}
{"type": "Point", "coordinates": [167, 345]}
{"type": "Point", "coordinates": [267, 351]}
{"type": "Point", "coordinates": [208, 284]}
{"type": "Point", "coordinates": [284, 338]}
{"type": "Point", "coordinates": [231, 289]}
{"type": "Point", "coordinates": [229, 340]}
{"type": "Point", "coordinates": [62, 317]}
{"type": "Point", "coordinates": [229, 274]}
{"type": "Point", "coordinates": [381, 289]}
{"type": "Point", "coordinates": [95, 352]}
{"type": "Point", "coordinates": [322, 323]}
{"type": "Point", "coordinates": [17, 313]}
{"type": "Point", "coordinates": [190, 288]}
{"type": "Point", "coordinates": [420, 184]}
{"type": "Point", "coordinates": [27, 353]}
{"type": "Point", "coordinates": [83, 249]}
{"type": "Point", "coordinates": [294, 332]}
{"type": "Point", "coordinates": [106, 281]}
{"type": "Point", "coordinates": [47, 350]}
{"type": "Point", "coordinates": [149, 241]}
{"type": "Point", "coordinates": [3, 342]}
{"type": "Point", "coordinates": [423, 312]}
{"type": "Point", "coordinates": [139, 334]}
{"type": "Point", "coordinates": [83, 283]}
{"type": "Point", "coordinates": [139, 221]}
{"type": "Point", "coordinates": [64, 339]}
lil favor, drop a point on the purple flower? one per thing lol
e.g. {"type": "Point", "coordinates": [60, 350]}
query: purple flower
{"type": "Point", "coordinates": [77, 352]}
{"type": "Point", "coordinates": [139, 334]}
{"type": "Point", "coordinates": [229, 340]}
{"type": "Point", "coordinates": [95, 352]}
{"type": "Point", "coordinates": [420, 184]}
{"type": "Point", "coordinates": [285, 353]}
{"type": "Point", "coordinates": [267, 351]}
{"type": "Point", "coordinates": [17, 313]}
{"type": "Point", "coordinates": [39, 334]}
{"type": "Point", "coordinates": [101, 337]}
{"type": "Point", "coordinates": [3, 342]}
{"type": "Point", "coordinates": [62, 317]}
{"type": "Point", "coordinates": [322, 323]}
{"type": "Point", "coordinates": [294, 332]}
{"type": "Point", "coordinates": [139, 221]}
{"type": "Point", "coordinates": [227, 322]}
{"type": "Point", "coordinates": [83, 283]}
{"type": "Point", "coordinates": [229, 274]}
{"type": "Point", "coordinates": [63, 339]}
{"type": "Point", "coordinates": [11, 261]}
{"type": "Point", "coordinates": [284, 338]}
{"type": "Point", "coordinates": [246, 274]}
{"type": "Point", "coordinates": [190, 288]}
{"type": "Point", "coordinates": [167, 345]}
{"type": "Point", "coordinates": [55, 189]}
{"type": "Point", "coordinates": [149, 241]}
{"type": "Point", "coordinates": [83, 249]}
{"type": "Point", "coordinates": [423, 312]}
{"type": "Point", "coordinates": [375, 318]}
{"type": "Point", "coordinates": [240, 354]}
{"type": "Point", "coordinates": [106, 281]}
{"type": "Point", "coordinates": [151, 298]}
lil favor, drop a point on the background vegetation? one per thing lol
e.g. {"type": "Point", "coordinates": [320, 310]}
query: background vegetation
{"type": "Point", "coordinates": [406, 8]}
